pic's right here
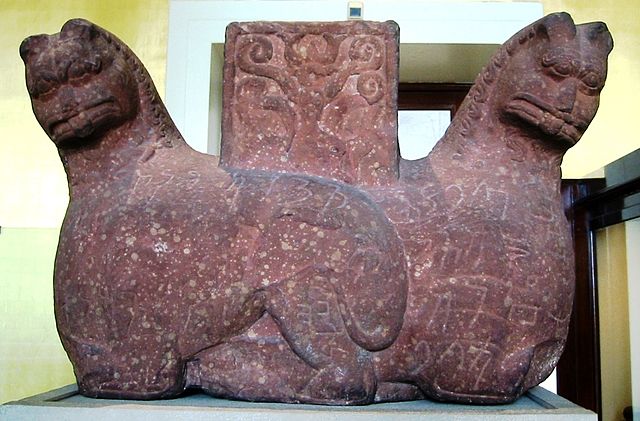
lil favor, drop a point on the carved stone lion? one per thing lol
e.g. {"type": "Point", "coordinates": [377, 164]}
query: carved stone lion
{"type": "Point", "coordinates": [454, 283]}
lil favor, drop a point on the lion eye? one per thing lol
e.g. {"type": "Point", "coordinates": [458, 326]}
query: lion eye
{"type": "Point", "coordinates": [563, 68]}
{"type": "Point", "coordinates": [80, 68]}
{"type": "Point", "coordinates": [591, 79]}
{"type": "Point", "coordinates": [559, 64]}
{"type": "Point", "coordinates": [45, 83]}
{"type": "Point", "coordinates": [76, 70]}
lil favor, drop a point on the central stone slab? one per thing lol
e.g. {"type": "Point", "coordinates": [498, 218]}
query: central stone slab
{"type": "Point", "coordinates": [296, 96]}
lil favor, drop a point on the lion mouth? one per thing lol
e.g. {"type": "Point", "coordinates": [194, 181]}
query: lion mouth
{"type": "Point", "coordinates": [84, 122]}
{"type": "Point", "coordinates": [546, 117]}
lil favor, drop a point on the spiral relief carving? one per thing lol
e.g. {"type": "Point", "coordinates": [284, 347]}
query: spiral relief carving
{"type": "Point", "coordinates": [368, 51]}
{"type": "Point", "coordinates": [255, 56]}
{"type": "Point", "coordinates": [258, 50]}
{"type": "Point", "coordinates": [371, 86]}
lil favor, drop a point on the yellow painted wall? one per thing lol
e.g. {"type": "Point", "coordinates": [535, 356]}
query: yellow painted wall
{"type": "Point", "coordinates": [613, 307]}
{"type": "Point", "coordinates": [32, 182]}
{"type": "Point", "coordinates": [613, 133]}
{"type": "Point", "coordinates": [33, 190]}
{"type": "Point", "coordinates": [31, 357]}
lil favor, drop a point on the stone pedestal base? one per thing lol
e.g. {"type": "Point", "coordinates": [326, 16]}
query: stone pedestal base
{"type": "Point", "coordinates": [66, 404]}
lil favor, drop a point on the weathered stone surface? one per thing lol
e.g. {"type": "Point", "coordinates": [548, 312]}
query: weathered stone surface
{"type": "Point", "coordinates": [453, 282]}
{"type": "Point", "coordinates": [296, 96]}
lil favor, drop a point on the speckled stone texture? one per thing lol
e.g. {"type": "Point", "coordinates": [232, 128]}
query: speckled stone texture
{"type": "Point", "coordinates": [297, 96]}
{"type": "Point", "coordinates": [318, 281]}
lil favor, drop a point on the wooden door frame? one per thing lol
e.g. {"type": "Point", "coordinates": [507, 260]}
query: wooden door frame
{"type": "Point", "coordinates": [592, 204]}
{"type": "Point", "coordinates": [432, 96]}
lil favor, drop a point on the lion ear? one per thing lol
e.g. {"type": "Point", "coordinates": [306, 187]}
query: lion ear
{"type": "Point", "coordinates": [30, 45]}
{"type": "Point", "coordinates": [598, 35]}
{"type": "Point", "coordinates": [79, 28]}
{"type": "Point", "coordinates": [556, 26]}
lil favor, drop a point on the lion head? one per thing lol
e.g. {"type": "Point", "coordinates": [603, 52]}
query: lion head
{"type": "Point", "coordinates": [553, 83]}
{"type": "Point", "coordinates": [545, 81]}
{"type": "Point", "coordinates": [84, 81]}
{"type": "Point", "coordinates": [78, 88]}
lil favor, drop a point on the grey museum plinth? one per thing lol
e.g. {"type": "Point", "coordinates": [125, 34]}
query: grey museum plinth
{"type": "Point", "coordinates": [66, 404]}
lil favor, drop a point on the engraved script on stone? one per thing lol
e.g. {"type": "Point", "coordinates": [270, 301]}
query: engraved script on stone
{"type": "Point", "coordinates": [312, 264]}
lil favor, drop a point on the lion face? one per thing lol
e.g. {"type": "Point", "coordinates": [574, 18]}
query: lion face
{"type": "Point", "coordinates": [553, 83]}
{"type": "Point", "coordinates": [78, 87]}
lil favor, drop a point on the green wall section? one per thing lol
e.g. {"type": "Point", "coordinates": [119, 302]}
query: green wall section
{"type": "Point", "coordinates": [31, 357]}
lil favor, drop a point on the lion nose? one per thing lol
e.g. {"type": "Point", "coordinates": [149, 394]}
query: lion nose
{"type": "Point", "coordinates": [68, 101]}
{"type": "Point", "coordinates": [567, 96]}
